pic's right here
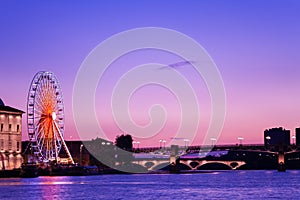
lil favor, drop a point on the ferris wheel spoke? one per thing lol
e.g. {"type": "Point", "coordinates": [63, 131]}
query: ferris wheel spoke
{"type": "Point", "coordinates": [40, 100]}
{"type": "Point", "coordinates": [40, 133]}
{"type": "Point", "coordinates": [40, 145]}
{"type": "Point", "coordinates": [40, 140]}
{"type": "Point", "coordinates": [39, 105]}
{"type": "Point", "coordinates": [41, 123]}
{"type": "Point", "coordinates": [39, 129]}
{"type": "Point", "coordinates": [39, 117]}
{"type": "Point", "coordinates": [42, 97]}
{"type": "Point", "coordinates": [39, 112]}
{"type": "Point", "coordinates": [40, 89]}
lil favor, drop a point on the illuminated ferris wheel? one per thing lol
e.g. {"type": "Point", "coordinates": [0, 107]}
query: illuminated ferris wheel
{"type": "Point", "coordinates": [45, 117]}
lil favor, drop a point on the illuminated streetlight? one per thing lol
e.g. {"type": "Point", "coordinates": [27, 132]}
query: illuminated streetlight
{"type": "Point", "coordinates": [136, 142]}
{"type": "Point", "coordinates": [164, 143]}
{"type": "Point", "coordinates": [213, 141]}
{"type": "Point", "coordinates": [160, 141]}
{"type": "Point", "coordinates": [241, 140]}
{"type": "Point", "coordinates": [80, 150]}
{"type": "Point", "coordinates": [268, 138]}
{"type": "Point", "coordinates": [294, 138]}
{"type": "Point", "coordinates": [186, 142]}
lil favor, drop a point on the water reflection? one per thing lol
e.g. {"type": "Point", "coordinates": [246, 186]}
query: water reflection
{"type": "Point", "coordinates": [216, 185]}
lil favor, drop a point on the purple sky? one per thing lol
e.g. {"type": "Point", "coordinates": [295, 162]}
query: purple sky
{"type": "Point", "coordinates": [255, 45]}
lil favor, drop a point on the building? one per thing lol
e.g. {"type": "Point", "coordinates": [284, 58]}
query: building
{"type": "Point", "coordinates": [298, 136]}
{"type": "Point", "coordinates": [10, 137]}
{"type": "Point", "coordinates": [276, 136]}
{"type": "Point", "coordinates": [81, 154]}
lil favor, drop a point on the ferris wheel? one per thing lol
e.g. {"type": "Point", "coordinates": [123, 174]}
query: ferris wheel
{"type": "Point", "coordinates": [45, 117]}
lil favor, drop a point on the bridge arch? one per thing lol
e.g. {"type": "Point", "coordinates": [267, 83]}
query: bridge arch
{"type": "Point", "coordinates": [183, 166]}
{"type": "Point", "coordinates": [159, 166]}
{"type": "Point", "coordinates": [214, 166]}
{"type": "Point", "coordinates": [149, 164]}
{"type": "Point", "coordinates": [197, 164]}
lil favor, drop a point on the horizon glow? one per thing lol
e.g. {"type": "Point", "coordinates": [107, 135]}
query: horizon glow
{"type": "Point", "coordinates": [255, 45]}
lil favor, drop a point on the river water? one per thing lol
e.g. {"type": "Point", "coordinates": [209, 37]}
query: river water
{"type": "Point", "coordinates": [216, 185]}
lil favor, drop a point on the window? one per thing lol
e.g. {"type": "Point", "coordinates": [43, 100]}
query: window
{"type": "Point", "coordinates": [2, 144]}
{"type": "Point", "coordinates": [18, 146]}
{"type": "Point", "coordinates": [18, 128]}
{"type": "Point", "coordinates": [9, 127]}
{"type": "Point", "coordinates": [1, 127]}
{"type": "Point", "coordinates": [9, 143]}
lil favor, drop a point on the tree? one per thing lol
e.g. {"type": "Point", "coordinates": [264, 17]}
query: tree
{"type": "Point", "coordinates": [124, 142]}
{"type": "Point", "coordinates": [124, 154]}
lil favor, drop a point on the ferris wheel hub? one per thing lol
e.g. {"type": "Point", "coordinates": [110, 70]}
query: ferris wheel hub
{"type": "Point", "coordinates": [53, 115]}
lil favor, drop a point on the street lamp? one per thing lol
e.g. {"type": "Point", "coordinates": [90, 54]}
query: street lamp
{"type": "Point", "coordinates": [136, 142]}
{"type": "Point", "coordinates": [294, 138]}
{"type": "Point", "coordinates": [241, 140]}
{"type": "Point", "coordinates": [160, 141]}
{"type": "Point", "coordinates": [164, 143]}
{"type": "Point", "coordinates": [186, 142]}
{"type": "Point", "coordinates": [268, 138]}
{"type": "Point", "coordinates": [213, 141]}
{"type": "Point", "coordinates": [80, 150]}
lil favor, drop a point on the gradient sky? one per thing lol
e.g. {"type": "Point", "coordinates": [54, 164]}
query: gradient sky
{"type": "Point", "coordinates": [255, 45]}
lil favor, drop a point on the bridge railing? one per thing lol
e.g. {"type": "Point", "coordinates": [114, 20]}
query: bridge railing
{"type": "Point", "coordinates": [203, 147]}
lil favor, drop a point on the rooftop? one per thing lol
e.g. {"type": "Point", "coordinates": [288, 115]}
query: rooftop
{"type": "Point", "coordinates": [3, 107]}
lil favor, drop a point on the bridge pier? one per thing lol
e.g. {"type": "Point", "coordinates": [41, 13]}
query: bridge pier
{"type": "Point", "coordinates": [281, 163]}
{"type": "Point", "coordinates": [174, 161]}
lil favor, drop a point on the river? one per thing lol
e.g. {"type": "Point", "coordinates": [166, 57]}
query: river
{"type": "Point", "coordinates": [216, 185]}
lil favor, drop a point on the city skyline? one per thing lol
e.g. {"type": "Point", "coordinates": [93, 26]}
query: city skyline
{"type": "Point", "coordinates": [254, 45]}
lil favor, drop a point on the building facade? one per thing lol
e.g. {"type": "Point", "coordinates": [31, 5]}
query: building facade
{"type": "Point", "coordinates": [297, 136]}
{"type": "Point", "coordinates": [10, 137]}
{"type": "Point", "coordinates": [277, 136]}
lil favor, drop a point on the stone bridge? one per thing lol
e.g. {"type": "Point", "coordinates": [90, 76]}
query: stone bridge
{"type": "Point", "coordinates": [156, 164]}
